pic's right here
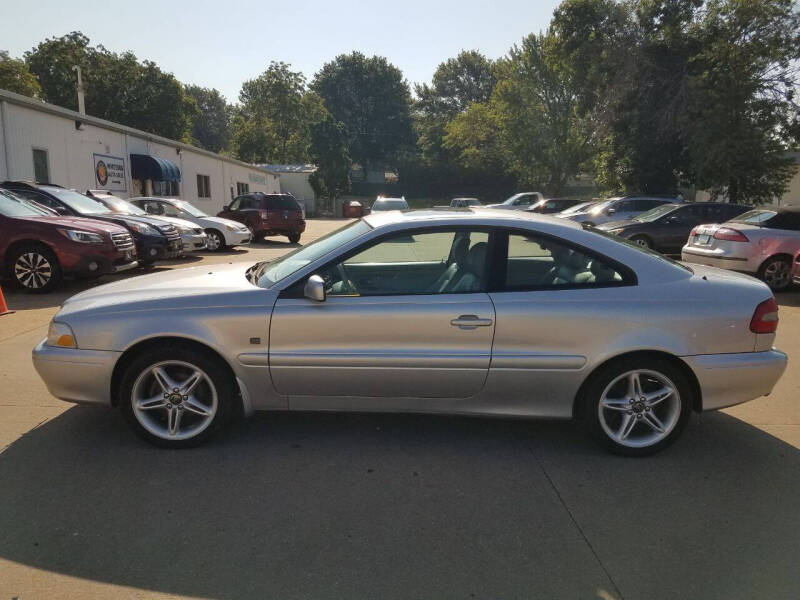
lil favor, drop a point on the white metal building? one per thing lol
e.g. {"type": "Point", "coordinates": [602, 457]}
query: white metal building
{"type": "Point", "coordinates": [47, 143]}
{"type": "Point", "coordinates": [294, 181]}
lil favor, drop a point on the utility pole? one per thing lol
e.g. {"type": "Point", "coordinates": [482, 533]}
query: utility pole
{"type": "Point", "coordinates": [81, 102]}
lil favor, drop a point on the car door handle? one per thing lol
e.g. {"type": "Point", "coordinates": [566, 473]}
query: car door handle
{"type": "Point", "coordinates": [470, 322]}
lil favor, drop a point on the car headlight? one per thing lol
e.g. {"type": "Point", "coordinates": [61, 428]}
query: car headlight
{"type": "Point", "coordinates": [231, 228]}
{"type": "Point", "coordinates": [143, 228]}
{"type": "Point", "coordinates": [185, 230]}
{"type": "Point", "coordinates": [615, 231]}
{"type": "Point", "coordinates": [61, 335]}
{"type": "Point", "coordinates": [86, 237]}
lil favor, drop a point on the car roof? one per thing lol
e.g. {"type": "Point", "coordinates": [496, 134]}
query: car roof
{"type": "Point", "coordinates": [473, 214]}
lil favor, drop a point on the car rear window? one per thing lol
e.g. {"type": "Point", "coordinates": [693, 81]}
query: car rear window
{"type": "Point", "coordinates": [280, 202]}
{"type": "Point", "coordinates": [771, 219]}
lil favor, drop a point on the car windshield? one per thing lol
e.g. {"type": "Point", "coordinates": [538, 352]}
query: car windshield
{"type": "Point", "coordinates": [390, 204]}
{"type": "Point", "coordinates": [118, 205]}
{"type": "Point", "coordinates": [510, 201]}
{"type": "Point", "coordinates": [77, 202]}
{"type": "Point", "coordinates": [583, 206]}
{"type": "Point", "coordinates": [755, 217]}
{"type": "Point", "coordinates": [267, 274]}
{"type": "Point", "coordinates": [14, 206]}
{"type": "Point", "coordinates": [655, 213]}
{"type": "Point", "coordinates": [192, 210]}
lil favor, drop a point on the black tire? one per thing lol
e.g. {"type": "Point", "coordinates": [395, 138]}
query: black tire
{"type": "Point", "coordinates": [34, 268]}
{"type": "Point", "coordinates": [294, 238]}
{"type": "Point", "coordinates": [679, 407]}
{"type": "Point", "coordinates": [147, 264]}
{"type": "Point", "coordinates": [219, 240]}
{"type": "Point", "coordinates": [776, 272]}
{"type": "Point", "coordinates": [642, 240]}
{"type": "Point", "coordinates": [217, 372]}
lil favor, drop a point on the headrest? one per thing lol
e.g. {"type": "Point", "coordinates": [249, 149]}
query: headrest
{"type": "Point", "coordinates": [476, 259]}
{"type": "Point", "coordinates": [576, 261]}
{"type": "Point", "coordinates": [460, 249]}
{"type": "Point", "coordinates": [602, 272]}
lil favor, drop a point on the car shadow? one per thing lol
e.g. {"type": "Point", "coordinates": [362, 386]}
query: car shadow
{"type": "Point", "coordinates": [294, 505]}
{"type": "Point", "coordinates": [273, 243]}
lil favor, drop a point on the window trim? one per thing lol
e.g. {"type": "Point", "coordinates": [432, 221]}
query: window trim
{"type": "Point", "coordinates": [499, 265]}
{"type": "Point", "coordinates": [295, 290]}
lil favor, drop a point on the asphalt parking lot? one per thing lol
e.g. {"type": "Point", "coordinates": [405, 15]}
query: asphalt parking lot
{"type": "Point", "coordinates": [386, 506]}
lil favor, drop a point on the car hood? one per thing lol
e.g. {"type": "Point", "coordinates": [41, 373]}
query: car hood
{"type": "Point", "coordinates": [90, 225]}
{"type": "Point", "coordinates": [123, 218]}
{"type": "Point", "coordinates": [625, 224]}
{"type": "Point", "coordinates": [211, 221]}
{"type": "Point", "coordinates": [195, 287]}
{"type": "Point", "coordinates": [178, 222]}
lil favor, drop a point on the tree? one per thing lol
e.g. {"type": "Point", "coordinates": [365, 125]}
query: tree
{"type": "Point", "coordinates": [52, 61]}
{"type": "Point", "coordinates": [212, 127]}
{"type": "Point", "coordinates": [370, 98]}
{"type": "Point", "coordinates": [16, 77]}
{"type": "Point", "coordinates": [329, 153]}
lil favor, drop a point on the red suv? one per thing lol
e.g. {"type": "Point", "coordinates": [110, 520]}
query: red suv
{"type": "Point", "coordinates": [37, 248]}
{"type": "Point", "coordinates": [268, 214]}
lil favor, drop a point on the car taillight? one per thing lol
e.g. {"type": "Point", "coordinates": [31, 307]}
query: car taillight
{"type": "Point", "coordinates": [264, 214]}
{"type": "Point", "coordinates": [693, 232]}
{"type": "Point", "coordinates": [730, 235]}
{"type": "Point", "coordinates": [765, 318]}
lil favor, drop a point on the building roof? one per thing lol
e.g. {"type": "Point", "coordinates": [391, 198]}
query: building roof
{"type": "Point", "coordinates": [273, 168]}
{"type": "Point", "coordinates": [19, 99]}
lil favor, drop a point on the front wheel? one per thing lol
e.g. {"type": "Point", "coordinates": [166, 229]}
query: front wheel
{"type": "Point", "coordinates": [35, 268]}
{"type": "Point", "coordinates": [642, 241]}
{"type": "Point", "coordinates": [216, 241]}
{"type": "Point", "coordinates": [294, 237]}
{"type": "Point", "coordinates": [637, 406]}
{"type": "Point", "coordinates": [776, 272]}
{"type": "Point", "coordinates": [176, 397]}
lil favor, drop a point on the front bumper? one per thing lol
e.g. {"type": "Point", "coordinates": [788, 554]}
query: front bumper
{"type": "Point", "coordinates": [75, 375]}
{"type": "Point", "coordinates": [728, 379]}
{"type": "Point", "coordinates": [237, 238]}
{"type": "Point", "coordinates": [193, 242]}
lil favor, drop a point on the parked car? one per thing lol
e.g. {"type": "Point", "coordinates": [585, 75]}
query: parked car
{"type": "Point", "coordinates": [761, 242]}
{"type": "Point", "coordinates": [38, 249]}
{"type": "Point", "coordinates": [267, 214]}
{"type": "Point", "coordinates": [553, 205]}
{"type": "Point", "coordinates": [154, 239]}
{"type": "Point", "coordinates": [451, 311]}
{"type": "Point", "coordinates": [193, 238]}
{"type": "Point", "coordinates": [464, 202]}
{"type": "Point", "coordinates": [222, 233]}
{"type": "Point", "coordinates": [383, 203]}
{"type": "Point", "coordinates": [618, 209]}
{"type": "Point", "coordinates": [582, 207]}
{"type": "Point", "coordinates": [520, 201]}
{"type": "Point", "coordinates": [666, 228]}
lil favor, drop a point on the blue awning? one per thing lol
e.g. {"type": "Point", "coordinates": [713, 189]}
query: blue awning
{"type": "Point", "coordinates": [147, 166]}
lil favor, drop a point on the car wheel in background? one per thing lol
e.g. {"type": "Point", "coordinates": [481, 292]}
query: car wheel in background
{"type": "Point", "coordinates": [147, 264]}
{"type": "Point", "coordinates": [642, 240]}
{"type": "Point", "coordinates": [636, 406]}
{"type": "Point", "coordinates": [176, 397]}
{"type": "Point", "coordinates": [294, 237]}
{"type": "Point", "coordinates": [776, 272]}
{"type": "Point", "coordinates": [216, 241]}
{"type": "Point", "coordinates": [35, 268]}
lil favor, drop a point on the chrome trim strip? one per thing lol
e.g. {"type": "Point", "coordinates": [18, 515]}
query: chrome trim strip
{"type": "Point", "coordinates": [538, 361]}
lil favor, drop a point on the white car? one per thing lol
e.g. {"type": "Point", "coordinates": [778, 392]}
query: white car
{"type": "Point", "coordinates": [221, 232]}
{"type": "Point", "coordinates": [521, 201]}
{"type": "Point", "coordinates": [760, 242]}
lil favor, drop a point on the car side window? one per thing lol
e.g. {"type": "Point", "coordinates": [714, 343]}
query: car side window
{"type": "Point", "coordinates": [535, 263]}
{"type": "Point", "coordinates": [236, 204]}
{"type": "Point", "coordinates": [440, 262]}
{"type": "Point", "coordinates": [169, 210]}
{"type": "Point", "coordinates": [152, 208]}
{"type": "Point", "coordinates": [40, 198]}
{"type": "Point", "coordinates": [524, 201]}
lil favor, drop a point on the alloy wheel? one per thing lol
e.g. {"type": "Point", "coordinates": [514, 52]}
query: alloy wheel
{"type": "Point", "coordinates": [214, 242]}
{"type": "Point", "coordinates": [174, 400]}
{"type": "Point", "coordinates": [641, 241]}
{"type": "Point", "coordinates": [33, 270]}
{"type": "Point", "coordinates": [639, 408]}
{"type": "Point", "coordinates": [777, 274]}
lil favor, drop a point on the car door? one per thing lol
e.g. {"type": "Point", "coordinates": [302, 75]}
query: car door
{"type": "Point", "coordinates": [554, 306]}
{"type": "Point", "coordinates": [398, 336]}
{"type": "Point", "coordinates": [675, 227]}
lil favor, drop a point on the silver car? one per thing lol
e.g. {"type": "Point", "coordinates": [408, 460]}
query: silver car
{"type": "Point", "coordinates": [475, 312]}
{"type": "Point", "coordinates": [617, 209]}
{"type": "Point", "coordinates": [761, 242]}
{"type": "Point", "coordinates": [382, 203]}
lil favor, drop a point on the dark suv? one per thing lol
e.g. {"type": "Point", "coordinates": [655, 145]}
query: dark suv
{"type": "Point", "coordinates": [155, 239]}
{"type": "Point", "coordinates": [268, 214]}
{"type": "Point", "coordinates": [37, 248]}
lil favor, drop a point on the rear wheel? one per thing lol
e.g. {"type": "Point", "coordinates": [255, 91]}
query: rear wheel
{"type": "Point", "coordinates": [216, 241]}
{"type": "Point", "coordinates": [776, 272]}
{"type": "Point", "coordinates": [642, 240]}
{"type": "Point", "coordinates": [35, 268]}
{"type": "Point", "coordinates": [294, 237]}
{"type": "Point", "coordinates": [176, 397]}
{"type": "Point", "coordinates": [637, 406]}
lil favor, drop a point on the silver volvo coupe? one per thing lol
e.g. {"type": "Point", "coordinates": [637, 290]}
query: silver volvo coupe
{"type": "Point", "coordinates": [469, 311]}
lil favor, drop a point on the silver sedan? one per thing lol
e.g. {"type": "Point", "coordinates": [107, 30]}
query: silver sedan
{"type": "Point", "coordinates": [476, 312]}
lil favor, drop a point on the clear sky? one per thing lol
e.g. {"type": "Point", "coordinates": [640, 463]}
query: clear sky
{"type": "Point", "coordinates": [222, 43]}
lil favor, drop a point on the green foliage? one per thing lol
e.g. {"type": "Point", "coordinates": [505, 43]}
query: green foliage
{"type": "Point", "coordinates": [212, 126]}
{"type": "Point", "coordinates": [329, 152]}
{"type": "Point", "coordinates": [118, 87]}
{"type": "Point", "coordinates": [16, 77]}
{"type": "Point", "coordinates": [370, 98]}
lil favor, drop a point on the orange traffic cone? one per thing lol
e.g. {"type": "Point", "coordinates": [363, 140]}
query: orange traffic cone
{"type": "Point", "coordinates": [3, 306]}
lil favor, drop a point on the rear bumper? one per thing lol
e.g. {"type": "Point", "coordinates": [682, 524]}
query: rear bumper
{"type": "Point", "coordinates": [74, 375]}
{"type": "Point", "coordinates": [728, 379]}
{"type": "Point", "coordinates": [720, 259]}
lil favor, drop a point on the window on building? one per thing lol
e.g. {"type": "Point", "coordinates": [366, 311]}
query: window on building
{"type": "Point", "coordinates": [41, 171]}
{"type": "Point", "coordinates": [166, 188]}
{"type": "Point", "coordinates": [242, 188]}
{"type": "Point", "coordinates": [203, 186]}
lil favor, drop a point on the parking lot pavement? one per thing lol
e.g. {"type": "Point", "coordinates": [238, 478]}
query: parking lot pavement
{"type": "Point", "coordinates": [389, 506]}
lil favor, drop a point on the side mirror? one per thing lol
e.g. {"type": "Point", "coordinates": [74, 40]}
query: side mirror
{"type": "Point", "coordinates": [61, 211]}
{"type": "Point", "coordinates": [611, 211]}
{"type": "Point", "coordinates": [226, 207]}
{"type": "Point", "coordinates": [315, 288]}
